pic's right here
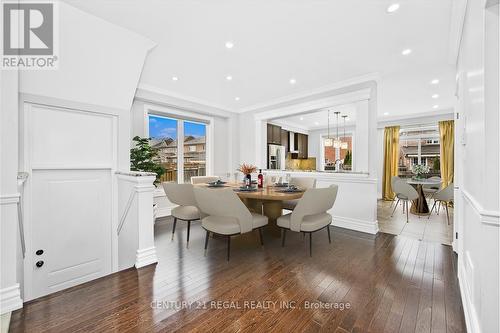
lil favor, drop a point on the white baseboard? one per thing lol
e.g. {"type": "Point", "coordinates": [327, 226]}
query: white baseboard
{"type": "Point", "coordinates": [370, 227]}
{"type": "Point", "coordinates": [10, 299]}
{"type": "Point", "coordinates": [471, 319]}
{"type": "Point", "coordinates": [146, 257]}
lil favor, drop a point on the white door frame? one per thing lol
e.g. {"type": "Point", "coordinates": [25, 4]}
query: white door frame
{"type": "Point", "coordinates": [25, 165]}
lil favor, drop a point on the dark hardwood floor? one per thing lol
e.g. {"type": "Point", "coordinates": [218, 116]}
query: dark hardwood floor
{"type": "Point", "coordinates": [384, 283]}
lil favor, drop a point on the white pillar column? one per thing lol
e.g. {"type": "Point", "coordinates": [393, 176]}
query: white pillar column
{"type": "Point", "coordinates": [136, 222]}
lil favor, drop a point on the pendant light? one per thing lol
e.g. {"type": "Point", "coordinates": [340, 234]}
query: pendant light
{"type": "Point", "coordinates": [337, 143]}
{"type": "Point", "coordinates": [328, 140]}
{"type": "Point", "coordinates": [344, 144]}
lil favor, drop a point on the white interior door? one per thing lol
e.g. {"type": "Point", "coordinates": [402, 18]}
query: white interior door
{"type": "Point", "coordinates": [70, 155]}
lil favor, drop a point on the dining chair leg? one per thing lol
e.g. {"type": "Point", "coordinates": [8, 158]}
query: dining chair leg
{"type": "Point", "coordinates": [188, 231]}
{"type": "Point", "coordinates": [310, 244]}
{"type": "Point", "coordinates": [303, 235]}
{"type": "Point", "coordinates": [395, 207]}
{"type": "Point", "coordinates": [329, 237]}
{"type": "Point", "coordinates": [283, 236]}
{"type": "Point", "coordinates": [206, 241]}
{"type": "Point", "coordinates": [404, 207]}
{"type": "Point", "coordinates": [430, 213]}
{"type": "Point", "coordinates": [407, 215]}
{"type": "Point", "coordinates": [447, 213]}
{"type": "Point", "coordinates": [261, 237]}
{"type": "Point", "coordinates": [228, 247]}
{"type": "Point", "coordinates": [439, 207]}
{"type": "Point", "coordinates": [173, 229]}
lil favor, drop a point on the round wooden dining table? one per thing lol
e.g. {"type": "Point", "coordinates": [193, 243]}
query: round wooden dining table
{"type": "Point", "coordinates": [419, 206]}
{"type": "Point", "coordinates": [267, 201]}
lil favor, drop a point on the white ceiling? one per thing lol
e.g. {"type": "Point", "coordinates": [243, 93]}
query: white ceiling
{"type": "Point", "coordinates": [316, 42]}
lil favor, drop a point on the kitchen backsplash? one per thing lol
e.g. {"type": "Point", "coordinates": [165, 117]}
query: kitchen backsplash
{"type": "Point", "coordinates": [300, 164]}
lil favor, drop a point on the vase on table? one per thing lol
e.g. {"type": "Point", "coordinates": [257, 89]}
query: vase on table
{"type": "Point", "coordinates": [248, 180]}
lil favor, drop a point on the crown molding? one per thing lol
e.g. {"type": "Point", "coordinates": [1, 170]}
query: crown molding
{"type": "Point", "coordinates": [349, 95]}
{"type": "Point", "coordinates": [151, 94]}
{"type": "Point", "coordinates": [286, 125]}
{"type": "Point", "coordinates": [416, 118]}
{"type": "Point", "coordinates": [311, 94]}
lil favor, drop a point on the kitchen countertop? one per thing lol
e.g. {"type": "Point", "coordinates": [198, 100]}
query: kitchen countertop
{"type": "Point", "coordinates": [317, 171]}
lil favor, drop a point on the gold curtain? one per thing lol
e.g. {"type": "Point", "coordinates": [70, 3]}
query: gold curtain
{"type": "Point", "coordinates": [447, 141]}
{"type": "Point", "coordinates": [391, 158]}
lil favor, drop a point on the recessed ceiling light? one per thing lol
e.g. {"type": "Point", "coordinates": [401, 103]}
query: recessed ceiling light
{"type": "Point", "coordinates": [236, 98]}
{"type": "Point", "coordinates": [293, 81]}
{"type": "Point", "coordinates": [229, 77]}
{"type": "Point", "coordinates": [175, 78]}
{"type": "Point", "coordinates": [392, 8]}
{"type": "Point", "coordinates": [229, 44]}
{"type": "Point", "coordinates": [435, 106]}
{"type": "Point", "coordinates": [435, 81]}
{"type": "Point", "coordinates": [301, 118]}
{"type": "Point", "coordinates": [435, 96]}
{"type": "Point", "coordinates": [406, 52]}
{"type": "Point", "coordinates": [386, 113]}
{"type": "Point", "coordinates": [316, 123]}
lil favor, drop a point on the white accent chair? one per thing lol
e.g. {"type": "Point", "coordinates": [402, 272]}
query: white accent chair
{"type": "Point", "coordinates": [394, 179]}
{"type": "Point", "coordinates": [310, 214]}
{"type": "Point", "coordinates": [303, 183]}
{"type": "Point", "coordinates": [444, 197]}
{"type": "Point", "coordinates": [203, 179]}
{"type": "Point", "coordinates": [183, 196]}
{"type": "Point", "coordinates": [430, 190]}
{"type": "Point", "coordinates": [404, 192]}
{"type": "Point", "coordinates": [227, 215]}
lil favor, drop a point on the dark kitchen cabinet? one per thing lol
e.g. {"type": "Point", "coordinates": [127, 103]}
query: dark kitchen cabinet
{"type": "Point", "coordinates": [301, 145]}
{"type": "Point", "coordinates": [284, 140]}
{"type": "Point", "coordinates": [273, 134]}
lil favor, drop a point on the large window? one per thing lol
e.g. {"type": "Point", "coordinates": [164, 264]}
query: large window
{"type": "Point", "coordinates": [419, 145]}
{"type": "Point", "coordinates": [332, 154]}
{"type": "Point", "coordinates": [180, 165]}
{"type": "Point", "coordinates": [194, 150]}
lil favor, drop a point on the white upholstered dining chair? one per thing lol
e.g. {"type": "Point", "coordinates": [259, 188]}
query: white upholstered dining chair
{"type": "Point", "coordinates": [183, 196]}
{"type": "Point", "coordinates": [310, 214]}
{"type": "Point", "coordinates": [443, 197]}
{"type": "Point", "coordinates": [404, 192]}
{"type": "Point", "coordinates": [303, 183]}
{"type": "Point", "coordinates": [203, 179]}
{"type": "Point", "coordinates": [430, 190]}
{"type": "Point", "coordinates": [226, 215]}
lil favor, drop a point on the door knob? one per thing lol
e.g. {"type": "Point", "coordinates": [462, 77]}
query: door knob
{"type": "Point", "coordinates": [39, 263]}
{"type": "Point", "coordinates": [39, 252]}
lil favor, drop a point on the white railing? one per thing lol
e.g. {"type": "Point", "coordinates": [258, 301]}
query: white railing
{"type": "Point", "coordinates": [125, 212]}
{"type": "Point", "coordinates": [21, 179]}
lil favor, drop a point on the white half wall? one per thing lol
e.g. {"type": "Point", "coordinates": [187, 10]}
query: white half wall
{"type": "Point", "coordinates": [476, 168]}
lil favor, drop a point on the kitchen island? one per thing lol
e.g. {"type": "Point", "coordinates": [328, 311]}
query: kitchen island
{"type": "Point", "coordinates": [356, 204]}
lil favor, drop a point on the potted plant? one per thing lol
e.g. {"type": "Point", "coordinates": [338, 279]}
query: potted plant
{"type": "Point", "coordinates": [145, 158]}
{"type": "Point", "coordinates": [419, 170]}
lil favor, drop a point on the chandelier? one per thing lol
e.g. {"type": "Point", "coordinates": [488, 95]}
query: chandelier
{"type": "Point", "coordinates": [344, 144]}
{"type": "Point", "coordinates": [337, 143]}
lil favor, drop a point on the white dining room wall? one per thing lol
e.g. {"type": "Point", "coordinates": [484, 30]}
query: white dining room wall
{"type": "Point", "coordinates": [90, 77]}
{"type": "Point", "coordinates": [476, 167]}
